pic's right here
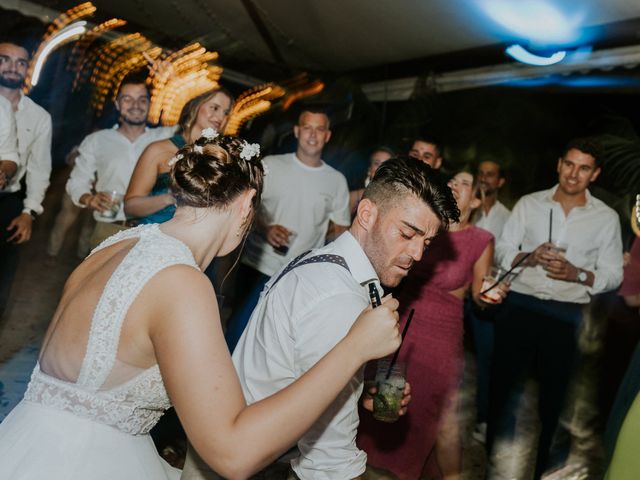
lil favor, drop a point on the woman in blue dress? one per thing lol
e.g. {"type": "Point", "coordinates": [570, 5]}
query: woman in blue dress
{"type": "Point", "coordinates": [148, 198]}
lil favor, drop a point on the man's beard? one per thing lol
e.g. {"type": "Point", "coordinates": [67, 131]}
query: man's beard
{"type": "Point", "coordinates": [488, 191]}
{"type": "Point", "coordinates": [11, 84]}
{"type": "Point", "coordinates": [130, 121]}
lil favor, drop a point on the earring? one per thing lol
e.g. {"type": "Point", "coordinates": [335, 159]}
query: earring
{"type": "Point", "coordinates": [242, 226]}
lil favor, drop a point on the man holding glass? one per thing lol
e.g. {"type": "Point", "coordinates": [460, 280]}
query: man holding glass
{"type": "Point", "coordinates": [111, 155]}
{"type": "Point", "coordinates": [571, 244]}
{"type": "Point", "coordinates": [308, 306]}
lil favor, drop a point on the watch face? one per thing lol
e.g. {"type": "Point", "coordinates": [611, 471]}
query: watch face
{"type": "Point", "coordinates": [582, 276]}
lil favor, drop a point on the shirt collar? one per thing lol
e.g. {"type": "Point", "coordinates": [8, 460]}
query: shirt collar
{"type": "Point", "coordinates": [551, 192]}
{"type": "Point", "coordinates": [116, 126]}
{"type": "Point", "coordinates": [359, 264]}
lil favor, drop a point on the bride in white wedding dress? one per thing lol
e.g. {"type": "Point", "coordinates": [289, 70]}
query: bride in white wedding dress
{"type": "Point", "coordinates": [137, 329]}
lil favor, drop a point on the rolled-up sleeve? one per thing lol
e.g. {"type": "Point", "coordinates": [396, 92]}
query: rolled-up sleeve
{"type": "Point", "coordinates": [39, 166]}
{"type": "Point", "coordinates": [83, 173]}
{"type": "Point", "coordinates": [608, 269]}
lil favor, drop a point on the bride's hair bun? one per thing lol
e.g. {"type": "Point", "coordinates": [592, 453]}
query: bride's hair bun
{"type": "Point", "coordinates": [213, 171]}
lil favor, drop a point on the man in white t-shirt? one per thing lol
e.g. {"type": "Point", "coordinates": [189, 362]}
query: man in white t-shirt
{"type": "Point", "coordinates": [304, 201]}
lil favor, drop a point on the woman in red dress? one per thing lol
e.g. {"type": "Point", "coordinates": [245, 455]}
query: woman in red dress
{"type": "Point", "coordinates": [454, 264]}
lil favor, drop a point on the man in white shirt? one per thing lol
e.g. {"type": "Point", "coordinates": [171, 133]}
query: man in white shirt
{"type": "Point", "coordinates": [33, 130]}
{"type": "Point", "coordinates": [492, 215]}
{"type": "Point", "coordinates": [111, 155]}
{"type": "Point", "coordinates": [307, 307]}
{"type": "Point", "coordinates": [543, 311]}
{"type": "Point", "coordinates": [304, 200]}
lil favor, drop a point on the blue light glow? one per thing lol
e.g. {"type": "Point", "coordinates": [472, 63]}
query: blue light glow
{"type": "Point", "coordinates": [524, 56]}
{"type": "Point", "coordinates": [538, 21]}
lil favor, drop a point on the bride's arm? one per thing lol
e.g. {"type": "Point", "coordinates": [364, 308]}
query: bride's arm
{"type": "Point", "coordinates": [234, 439]}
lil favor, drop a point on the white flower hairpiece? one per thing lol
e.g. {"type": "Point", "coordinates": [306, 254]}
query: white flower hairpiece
{"type": "Point", "coordinates": [250, 150]}
{"type": "Point", "coordinates": [174, 159]}
{"type": "Point", "coordinates": [209, 133]}
{"type": "Point", "coordinates": [198, 149]}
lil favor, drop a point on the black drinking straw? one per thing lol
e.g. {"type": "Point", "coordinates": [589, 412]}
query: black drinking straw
{"type": "Point", "coordinates": [505, 274]}
{"type": "Point", "coordinates": [550, 223]}
{"type": "Point", "coordinates": [404, 333]}
{"type": "Point", "coordinates": [374, 295]}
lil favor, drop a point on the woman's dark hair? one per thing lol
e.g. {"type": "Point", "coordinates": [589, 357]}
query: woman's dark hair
{"type": "Point", "coordinates": [404, 175]}
{"type": "Point", "coordinates": [211, 173]}
{"type": "Point", "coordinates": [190, 110]}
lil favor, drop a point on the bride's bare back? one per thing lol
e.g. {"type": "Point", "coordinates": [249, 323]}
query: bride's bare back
{"type": "Point", "coordinates": [65, 343]}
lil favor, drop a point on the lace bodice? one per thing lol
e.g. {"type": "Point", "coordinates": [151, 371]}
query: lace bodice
{"type": "Point", "coordinates": [134, 406]}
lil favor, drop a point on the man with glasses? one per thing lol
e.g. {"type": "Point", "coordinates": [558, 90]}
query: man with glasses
{"type": "Point", "coordinates": [111, 155]}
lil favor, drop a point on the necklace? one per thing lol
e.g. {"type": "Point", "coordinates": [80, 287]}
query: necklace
{"type": "Point", "coordinates": [638, 208]}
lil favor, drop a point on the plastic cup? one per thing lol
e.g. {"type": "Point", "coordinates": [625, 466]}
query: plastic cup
{"type": "Point", "coordinates": [116, 203]}
{"type": "Point", "coordinates": [559, 248]}
{"type": "Point", "coordinates": [284, 249]}
{"type": "Point", "coordinates": [388, 398]}
{"type": "Point", "coordinates": [491, 296]}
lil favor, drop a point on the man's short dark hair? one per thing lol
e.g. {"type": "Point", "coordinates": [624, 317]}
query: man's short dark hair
{"type": "Point", "coordinates": [430, 139]}
{"type": "Point", "coordinates": [134, 78]}
{"type": "Point", "coordinates": [315, 109]}
{"type": "Point", "coordinates": [402, 175]}
{"type": "Point", "coordinates": [587, 145]}
{"type": "Point", "coordinates": [501, 166]}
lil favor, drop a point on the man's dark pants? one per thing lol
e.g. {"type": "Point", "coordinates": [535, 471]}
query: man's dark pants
{"type": "Point", "coordinates": [10, 208]}
{"type": "Point", "coordinates": [542, 334]}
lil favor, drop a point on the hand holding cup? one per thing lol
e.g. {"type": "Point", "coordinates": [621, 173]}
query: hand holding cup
{"type": "Point", "coordinates": [495, 285]}
{"type": "Point", "coordinates": [279, 238]}
{"type": "Point", "coordinates": [371, 390]}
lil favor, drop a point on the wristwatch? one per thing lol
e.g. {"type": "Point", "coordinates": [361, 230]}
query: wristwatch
{"type": "Point", "coordinates": [582, 276]}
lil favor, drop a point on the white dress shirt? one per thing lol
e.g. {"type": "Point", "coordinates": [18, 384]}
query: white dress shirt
{"type": "Point", "coordinates": [8, 139]}
{"type": "Point", "coordinates": [33, 127]}
{"type": "Point", "coordinates": [592, 233]}
{"type": "Point", "coordinates": [110, 156]}
{"type": "Point", "coordinates": [302, 199]}
{"type": "Point", "coordinates": [303, 317]}
{"type": "Point", "coordinates": [493, 222]}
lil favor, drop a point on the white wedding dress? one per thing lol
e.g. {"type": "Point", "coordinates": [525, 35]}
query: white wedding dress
{"type": "Point", "coordinates": [97, 428]}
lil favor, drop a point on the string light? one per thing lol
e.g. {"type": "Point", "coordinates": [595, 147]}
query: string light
{"type": "Point", "coordinates": [80, 60]}
{"type": "Point", "coordinates": [62, 29]}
